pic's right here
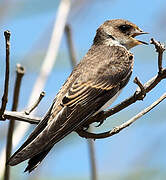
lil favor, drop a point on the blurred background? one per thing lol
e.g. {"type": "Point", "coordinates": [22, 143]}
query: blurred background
{"type": "Point", "coordinates": [136, 153]}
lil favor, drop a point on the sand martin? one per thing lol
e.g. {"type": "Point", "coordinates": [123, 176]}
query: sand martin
{"type": "Point", "coordinates": [91, 87]}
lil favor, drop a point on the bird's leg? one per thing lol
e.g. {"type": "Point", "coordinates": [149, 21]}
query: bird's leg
{"type": "Point", "coordinates": [99, 118]}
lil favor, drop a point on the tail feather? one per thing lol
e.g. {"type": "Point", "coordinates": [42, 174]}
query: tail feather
{"type": "Point", "coordinates": [47, 134]}
{"type": "Point", "coordinates": [36, 160]}
{"type": "Point", "coordinates": [39, 128]}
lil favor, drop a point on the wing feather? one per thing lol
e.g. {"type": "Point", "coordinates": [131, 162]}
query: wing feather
{"type": "Point", "coordinates": [79, 100]}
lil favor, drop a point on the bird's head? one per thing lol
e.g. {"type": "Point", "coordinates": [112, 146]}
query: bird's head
{"type": "Point", "coordinates": [119, 31]}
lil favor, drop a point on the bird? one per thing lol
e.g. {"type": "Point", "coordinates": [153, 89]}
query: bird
{"type": "Point", "coordinates": [92, 86]}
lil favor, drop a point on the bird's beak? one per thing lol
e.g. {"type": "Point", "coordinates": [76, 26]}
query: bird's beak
{"type": "Point", "coordinates": [138, 32]}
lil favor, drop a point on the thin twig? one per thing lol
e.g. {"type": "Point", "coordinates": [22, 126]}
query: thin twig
{"type": "Point", "coordinates": [138, 82]}
{"type": "Point", "coordinates": [31, 108]}
{"type": "Point", "coordinates": [160, 48]}
{"type": "Point", "coordinates": [127, 102]}
{"type": "Point", "coordinates": [122, 126]}
{"type": "Point", "coordinates": [19, 75]}
{"type": "Point", "coordinates": [92, 156]}
{"type": "Point", "coordinates": [70, 45]}
{"type": "Point", "coordinates": [91, 147]}
{"type": "Point", "coordinates": [20, 116]}
{"type": "Point", "coordinates": [6, 85]}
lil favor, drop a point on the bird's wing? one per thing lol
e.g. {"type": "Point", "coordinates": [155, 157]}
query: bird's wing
{"type": "Point", "coordinates": [80, 102]}
{"type": "Point", "coordinates": [68, 126]}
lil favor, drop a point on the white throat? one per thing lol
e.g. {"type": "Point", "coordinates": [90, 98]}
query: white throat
{"type": "Point", "coordinates": [114, 42]}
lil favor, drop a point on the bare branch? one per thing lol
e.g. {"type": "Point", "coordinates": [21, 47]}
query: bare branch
{"type": "Point", "coordinates": [20, 116]}
{"type": "Point", "coordinates": [132, 99]}
{"type": "Point", "coordinates": [160, 48]}
{"type": "Point", "coordinates": [137, 81]}
{"type": "Point", "coordinates": [20, 73]}
{"type": "Point", "coordinates": [117, 129]}
{"type": "Point", "coordinates": [91, 147]}
{"type": "Point", "coordinates": [31, 108]}
{"type": "Point", "coordinates": [6, 85]}
{"type": "Point", "coordinates": [70, 45]}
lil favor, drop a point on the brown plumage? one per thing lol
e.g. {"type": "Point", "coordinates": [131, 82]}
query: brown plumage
{"type": "Point", "coordinates": [100, 75]}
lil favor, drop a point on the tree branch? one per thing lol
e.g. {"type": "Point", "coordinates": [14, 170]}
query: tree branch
{"type": "Point", "coordinates": [6, 85]}
{"type": "Point", "coordinates": [143, 91]}
{"type": "Point", "coordinates": [147, 87]}
{"type": "Point", "coordinates": [160, 48]}
{"type": "Point", "coordinates": [139, 93]}
{"type": "Point", "coordinates": [19, 75]}
{"type": "Point", "coordinates": [92, 157]}
{"type": "Point", "coordinates": [117, 129]}
{"type": "Point", "coordinates": [31, 108]}
{"type": "Point", "coordinates": [70, 45]}
{"type": "Point", "coordinates": [20, 116]}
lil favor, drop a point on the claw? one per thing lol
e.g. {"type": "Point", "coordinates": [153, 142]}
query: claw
{"type": "Point", "coordinates": [86, 128]}
{"type": "Point", "coordinates": [100, 123]}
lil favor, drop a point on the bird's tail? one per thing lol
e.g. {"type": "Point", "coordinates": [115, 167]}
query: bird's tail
{"type": "Point", "coordinates": [16, 158]}
{"type": "Point", "coordinates": [36, 160]}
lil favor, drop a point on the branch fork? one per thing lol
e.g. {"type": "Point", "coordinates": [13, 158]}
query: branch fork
{"type": "Point", "coordinates": [141, 92]}
{"type": "Point", "coordinates": [160, 48]}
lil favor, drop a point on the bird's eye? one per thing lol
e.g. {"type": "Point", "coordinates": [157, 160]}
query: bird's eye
{"type": "Point", "coordinates": [124, 28]}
